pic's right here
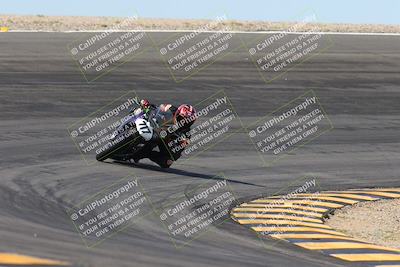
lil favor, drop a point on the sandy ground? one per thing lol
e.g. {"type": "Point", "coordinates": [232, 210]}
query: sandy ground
{"type": "Point", "coordinates": [59, 23]}
{"type": "Point", "coordinates": [376, 222]}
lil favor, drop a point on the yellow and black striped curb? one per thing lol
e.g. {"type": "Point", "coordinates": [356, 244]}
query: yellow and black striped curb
{"type": "Point", "coordinates": [11, 259]}
{"type": "Point", "coordinates": [300, 221]}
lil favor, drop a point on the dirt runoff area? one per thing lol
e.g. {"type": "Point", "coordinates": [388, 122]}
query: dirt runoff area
{"type": "Point", "coordinates": [71, 23]}
{"type": "Point", "coordinates": [376, 222]}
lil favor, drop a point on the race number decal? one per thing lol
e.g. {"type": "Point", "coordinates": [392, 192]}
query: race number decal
{"type": "Point", "coordinates": [144, 129]}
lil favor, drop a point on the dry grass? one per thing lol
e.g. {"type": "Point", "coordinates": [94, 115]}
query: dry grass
{"type": "Point", "coordinates": [58, 23]}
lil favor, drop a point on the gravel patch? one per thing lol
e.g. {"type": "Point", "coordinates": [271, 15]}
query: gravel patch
{"type": "Point", "coordinates": [376, 222]}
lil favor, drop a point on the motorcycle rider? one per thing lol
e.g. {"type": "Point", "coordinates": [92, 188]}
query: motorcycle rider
{"type": "Point", "coordinates": [171, 146]}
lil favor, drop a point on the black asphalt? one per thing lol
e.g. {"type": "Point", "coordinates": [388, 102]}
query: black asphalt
{"type": "Point", "coordinates": [357, 81]}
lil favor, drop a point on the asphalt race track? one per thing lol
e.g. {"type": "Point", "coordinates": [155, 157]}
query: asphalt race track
{"type": "Point", "coordinates": [357, 81]}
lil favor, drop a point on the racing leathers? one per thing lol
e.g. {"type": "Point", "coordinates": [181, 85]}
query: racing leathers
{"type": "Point", "coordinates": [165, 148]}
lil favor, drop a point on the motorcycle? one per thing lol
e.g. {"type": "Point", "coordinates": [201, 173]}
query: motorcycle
{"type": "Point", "coordinates": [135, 131]}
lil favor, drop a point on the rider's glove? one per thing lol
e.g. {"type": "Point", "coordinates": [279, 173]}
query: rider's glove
{"type": "Point", "coordinates": [145, 103]}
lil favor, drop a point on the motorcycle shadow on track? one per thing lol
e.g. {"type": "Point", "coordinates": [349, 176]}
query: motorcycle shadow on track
{"type": "Point", "coordinates": [180, 172]}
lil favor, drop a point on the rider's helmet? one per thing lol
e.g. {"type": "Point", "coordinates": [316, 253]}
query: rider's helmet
{"type": "Point", "coordinates": [185, 114]}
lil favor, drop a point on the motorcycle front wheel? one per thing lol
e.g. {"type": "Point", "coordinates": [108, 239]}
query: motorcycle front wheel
{"type": "Point", "coordinates": [114, 149]}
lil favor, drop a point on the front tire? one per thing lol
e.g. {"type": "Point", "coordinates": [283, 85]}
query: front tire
{"type": "Point", "coordinates": [116, 148]}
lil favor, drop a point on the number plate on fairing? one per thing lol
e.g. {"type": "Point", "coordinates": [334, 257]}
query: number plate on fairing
{"type": "Point", "coordinates": [144, 128]}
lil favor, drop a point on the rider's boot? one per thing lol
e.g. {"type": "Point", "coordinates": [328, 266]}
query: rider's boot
{"type": "Point", "coordinates": [161, 160]}
{"type": "Point", "coordinates": [136, 159]}
{"type": "Point", "coordinates": [143, 153]}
